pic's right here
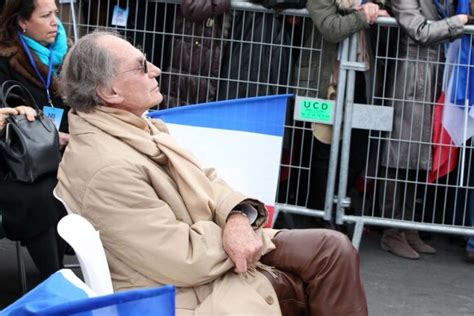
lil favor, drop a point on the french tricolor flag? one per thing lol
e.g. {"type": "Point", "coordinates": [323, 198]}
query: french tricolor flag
{"type": "Point", "coordinates": [453, 121]}
{"type": "Point", "coordinates": [241, 139]}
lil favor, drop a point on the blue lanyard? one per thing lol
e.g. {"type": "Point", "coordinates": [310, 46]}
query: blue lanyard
{"type": "Point", "coordinates": [444, 13]}
{"type": "Point", "coordinates": [47, 82]}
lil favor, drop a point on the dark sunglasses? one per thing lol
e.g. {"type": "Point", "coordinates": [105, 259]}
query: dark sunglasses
{"type": "Point", "coordinates": [144, 66]}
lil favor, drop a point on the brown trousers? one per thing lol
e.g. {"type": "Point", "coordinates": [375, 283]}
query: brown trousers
{"type": "Point", "coordinates": [317, 273]}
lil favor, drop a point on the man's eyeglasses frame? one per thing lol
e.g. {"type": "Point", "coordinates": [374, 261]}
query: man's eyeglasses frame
{"type": "Point", "coordinates": [144, 66]}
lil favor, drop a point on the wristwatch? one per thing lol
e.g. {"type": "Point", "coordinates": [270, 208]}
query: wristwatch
{"type": "Point", "coordinates": [239, 212]}
{"type": "Point", "coordinates": [246, 209]}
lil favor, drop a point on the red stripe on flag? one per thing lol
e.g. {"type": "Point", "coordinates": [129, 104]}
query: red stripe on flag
{"type": "Point", "coordinates": [444, 150]}
{"type": "Point", "coordinates": [270, 209]}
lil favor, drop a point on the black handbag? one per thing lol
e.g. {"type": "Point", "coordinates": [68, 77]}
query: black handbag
{"type": "Point", "coordinates": [29, 149]}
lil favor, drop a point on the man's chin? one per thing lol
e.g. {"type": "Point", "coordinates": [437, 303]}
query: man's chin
{"type": "Point", "coordinates": [159, 100]}
{"type": "Point", "coordinates": [156, 103]}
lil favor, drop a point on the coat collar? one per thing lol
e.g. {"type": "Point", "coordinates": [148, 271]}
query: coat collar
{"type": "Point", "coordinates": [20, 63]}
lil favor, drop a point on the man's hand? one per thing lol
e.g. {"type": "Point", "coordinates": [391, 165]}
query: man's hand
{"type": "Point", "coordinates": [241, 243]}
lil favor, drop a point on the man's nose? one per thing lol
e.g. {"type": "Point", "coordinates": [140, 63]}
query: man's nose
{"type": "Point", "coordinates": [153, 71]}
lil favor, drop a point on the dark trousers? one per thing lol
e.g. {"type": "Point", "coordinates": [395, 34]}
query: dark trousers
{"type": "Point", "coordinates": [320, 166]}
{"type": "Point", "coordinates": [47, 251]}
{"type": "Point", "coordinates": [30, 214]}
{"type": "Point", "coordinates": [317, 273]}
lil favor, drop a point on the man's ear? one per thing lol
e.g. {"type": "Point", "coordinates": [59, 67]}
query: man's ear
{"type": "Point", "coordinates": [108, 95]}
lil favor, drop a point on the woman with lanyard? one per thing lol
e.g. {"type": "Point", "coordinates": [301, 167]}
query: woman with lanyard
{"type": "Point", "coordinates": [32, 47]}
{"type": "Point", "coordinates": [413, 88]}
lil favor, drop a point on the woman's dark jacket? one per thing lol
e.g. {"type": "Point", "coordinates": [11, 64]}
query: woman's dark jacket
{"type": "Point", "coordinates": [196, 51]}
{"type": "Point", "coordinates": [14, 65]}
{"type": "Point", "coordinates": [257, 62]}
{"type": "Point", "coordinates": [28, 209]}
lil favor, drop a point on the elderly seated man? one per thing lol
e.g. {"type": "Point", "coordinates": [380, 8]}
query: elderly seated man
{"type": "Point", "coordinates": [165, 220]}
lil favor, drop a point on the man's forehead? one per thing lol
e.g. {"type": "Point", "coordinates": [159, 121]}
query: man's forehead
{"type": "Point", "coordinates": [118, 46]}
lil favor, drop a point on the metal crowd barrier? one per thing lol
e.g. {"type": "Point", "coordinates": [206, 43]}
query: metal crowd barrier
{"type": "Point", "coordinates": [254, 51]}
{"type": "Point", "coordinates": [439, 205]}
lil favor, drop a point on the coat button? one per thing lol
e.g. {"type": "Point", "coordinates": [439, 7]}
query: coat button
{"type": "Point", "coordinates": [269, 300]}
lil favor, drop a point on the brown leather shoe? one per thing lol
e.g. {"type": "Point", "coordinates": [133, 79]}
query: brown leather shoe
{"type": "Point", "coordinates": [394, 241]}
{"type": "Point", "coordinates": [469, 256]}
{"type": "Point", "coordinates": [417, 243]}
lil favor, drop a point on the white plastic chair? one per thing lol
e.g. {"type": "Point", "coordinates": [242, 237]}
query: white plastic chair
{"type": "Point", "coordinates": [85, 241]}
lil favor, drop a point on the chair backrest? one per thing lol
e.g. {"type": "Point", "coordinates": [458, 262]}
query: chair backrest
{"type": "Point", "coordinates": [85, 241]}
{"type": "Point", "coordinates": [68, 210]}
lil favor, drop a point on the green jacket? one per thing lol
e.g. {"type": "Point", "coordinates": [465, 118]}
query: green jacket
{"type": "Point", "coordinates": [334, 21]}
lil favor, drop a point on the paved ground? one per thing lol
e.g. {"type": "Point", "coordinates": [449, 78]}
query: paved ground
{"type": "Point", "coordinates": [440, 284]}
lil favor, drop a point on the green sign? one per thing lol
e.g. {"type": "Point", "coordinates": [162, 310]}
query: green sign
{"type": "Point", "coordinates": [315, 110]}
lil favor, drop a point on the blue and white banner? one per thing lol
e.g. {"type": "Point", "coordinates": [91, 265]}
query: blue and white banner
{"type": "Point", "coordinates": [65, 294]}
{"type": "Point", "coordinates": [241, 139]}
{"type": "Point", "coordinates": [61, 287]}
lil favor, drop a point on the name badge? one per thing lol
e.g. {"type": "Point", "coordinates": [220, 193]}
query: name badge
{"type": "Point", "coordinates": [120, 16]}
{"type": "Point", "coordinates": [55, 114]}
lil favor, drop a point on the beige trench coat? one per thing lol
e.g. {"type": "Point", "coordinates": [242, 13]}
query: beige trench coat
{"type": "Point", "coordinates": [413, 86]}
{"type": "Point", "coordinates": [147, 232]}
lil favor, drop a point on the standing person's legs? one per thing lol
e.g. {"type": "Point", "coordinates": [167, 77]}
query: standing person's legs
{"type": "Point", "coordinates": [391, 198]}
{"type": "Point", "coordinates": [318, 174]}
{"type": "Point", "coordinates": [397, 195]}
{"type": "Point", "coordinates": [30, 215]}
{"type": "Point", "coordinates": [47, 251]}
{"type": "Point", "coordinates": [328, 265]}
{"type": "Point", "coordinates": [412, 236]}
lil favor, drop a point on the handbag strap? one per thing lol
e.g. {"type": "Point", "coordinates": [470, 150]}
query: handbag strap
{"type": "Point", "coordinates": [8, 86]}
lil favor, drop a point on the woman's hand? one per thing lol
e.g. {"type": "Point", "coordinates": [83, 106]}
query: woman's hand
{"type": "Point", "coordinates": [372, 12]}
{"type": "Point", "coordinates": [19, 110]}
{"type": "Point", "coordinates": [30, 113]}
{"type": "Point", "coordinates": [63, 140]}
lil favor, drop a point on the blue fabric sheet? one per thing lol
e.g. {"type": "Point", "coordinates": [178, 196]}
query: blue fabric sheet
{"type": "Point", "coordinates": [58, 296]}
